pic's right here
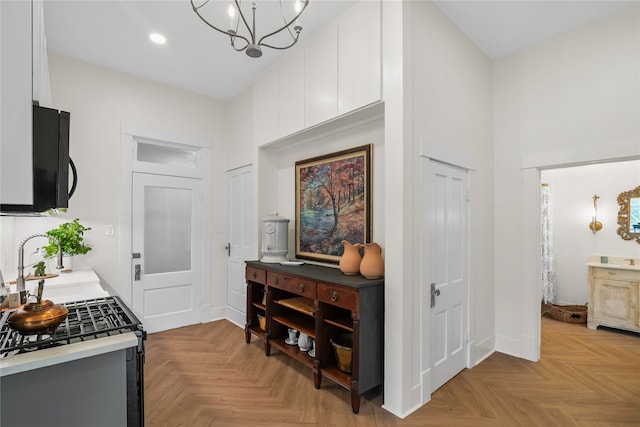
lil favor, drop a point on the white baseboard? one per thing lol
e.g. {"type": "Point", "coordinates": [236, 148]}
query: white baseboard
{"type": "Point", "coordinates": [215, 313]}
{"type": "Point", "coordinates": [484, 349]}
{"type": "Point", "coordinates": [524, 348]}
{"type": "Point", "coordinates": [508, 345]}
{"type": "Point", "coordinates": [235, 316]}
{"type": "Point", "coordinates": [528, 348]}
{"type": "Point", "coordinates": [426, 386]}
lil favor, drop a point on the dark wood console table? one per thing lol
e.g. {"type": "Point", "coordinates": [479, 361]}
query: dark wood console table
{"type": "Point", "coordinates": [323, 303]}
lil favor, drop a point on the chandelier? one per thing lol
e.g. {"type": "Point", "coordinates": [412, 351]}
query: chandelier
{"type": "Point", "coordinates": [240, 19]}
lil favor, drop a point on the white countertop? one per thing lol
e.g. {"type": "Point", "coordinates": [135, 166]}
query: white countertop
{"type": "Point", "coordinates": [614, 266]}
{"type": "Point", "coordinates": [76, 285]}
{"type": "Point", "coordinates": [65, 353]}
{"type": "Point", "coordinates": [614, 262]}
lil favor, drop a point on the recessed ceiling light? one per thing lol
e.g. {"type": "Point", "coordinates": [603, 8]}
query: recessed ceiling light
{"type": "Point", "coordinates": [157, 38]}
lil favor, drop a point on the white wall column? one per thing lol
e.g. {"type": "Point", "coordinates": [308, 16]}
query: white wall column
{"type": "Point", "coordinates": [402, 344]}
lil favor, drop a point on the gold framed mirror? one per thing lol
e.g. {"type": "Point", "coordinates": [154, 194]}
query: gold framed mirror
{"type": "Point", "coordinates": [629, 214]}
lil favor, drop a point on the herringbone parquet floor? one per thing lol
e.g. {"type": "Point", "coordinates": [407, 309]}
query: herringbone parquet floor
{"type": "Point", "coordinates": [206, 375]}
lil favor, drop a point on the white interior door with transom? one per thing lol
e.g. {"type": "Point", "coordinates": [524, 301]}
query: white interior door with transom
{"type": "Point", "coordinates": [240, 232]}
{"type": "Point", "coordinates": [166, 250]}
{"type": "Point", "coordinates": [445, 275]}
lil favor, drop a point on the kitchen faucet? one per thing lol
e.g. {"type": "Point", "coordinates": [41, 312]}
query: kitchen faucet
{"type": "Point", "coordinates": [3, 290]}
{"type": "Point", "coordinates": [20, 280]}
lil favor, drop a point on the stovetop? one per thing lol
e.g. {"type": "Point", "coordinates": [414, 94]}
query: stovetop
{"type": "Point", "coordinates": [87, 320]}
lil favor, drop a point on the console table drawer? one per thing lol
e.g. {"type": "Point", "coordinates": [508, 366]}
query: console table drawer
{"type": "Point", "coordinates": [255, 275]}
{"type": "Point", "coordinates": [616, 273]}
{"type": "Point", "coordinates": [338, 296]}
{"type": "Point", "coordinates": [293, 284]}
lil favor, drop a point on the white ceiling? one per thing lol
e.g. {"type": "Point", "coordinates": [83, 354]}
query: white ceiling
{"type": "Point", "coordinates": [114, 34]}
{"type": "Point", "coordinates": [501, 28]}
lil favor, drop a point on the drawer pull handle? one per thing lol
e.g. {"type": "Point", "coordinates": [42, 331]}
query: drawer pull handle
{"type": "Point", "coordinates": [612, 273]}
{"type": "Point", "coordinates": [275, 282]}
{"type": "Point", "coordinates": [301, 287]}
{"type": "Point", "coordinates": [254, 275]}
{"type": "Point", "coordinates": [334, 296]}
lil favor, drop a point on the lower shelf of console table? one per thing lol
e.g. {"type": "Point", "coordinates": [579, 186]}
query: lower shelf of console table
{"type": "Point", "coordinates": [322, 303]}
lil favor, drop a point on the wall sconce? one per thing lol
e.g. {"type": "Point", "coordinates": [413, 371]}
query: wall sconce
{"type": "Point", "coordinates": [595, 225]}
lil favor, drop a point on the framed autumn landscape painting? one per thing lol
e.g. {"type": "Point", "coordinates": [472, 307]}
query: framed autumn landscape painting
{"type": "Point", "coordinates": [333, 203]}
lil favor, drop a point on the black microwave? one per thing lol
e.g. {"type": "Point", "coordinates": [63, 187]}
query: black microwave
{"type": "Point", "coordinates": [51, 163]}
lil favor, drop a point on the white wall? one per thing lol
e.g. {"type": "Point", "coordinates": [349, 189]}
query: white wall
{"type": "Point", "coordinates": [436, 88]}
{"type": "Point", "coordinates": [452, 106]}
{"type": "Point", "coordinates": [575, 98]}
{"type": "Point", "coordinates": [99, 100]}
{"type": "Point", "coordinates": [572, 190]}
{"type": "Point", "coordinates": [282, 159]}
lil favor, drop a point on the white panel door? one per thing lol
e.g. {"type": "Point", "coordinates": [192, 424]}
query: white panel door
{"type": "Point", "coordinates": [446, 208]}
{"type": "Point", "coordinates": [240, 232]}
{"type": "Point", "coordinates": [167, 250]}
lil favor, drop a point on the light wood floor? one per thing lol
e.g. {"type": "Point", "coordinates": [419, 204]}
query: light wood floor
{"type": "Point", "coordinates": [206, 375]}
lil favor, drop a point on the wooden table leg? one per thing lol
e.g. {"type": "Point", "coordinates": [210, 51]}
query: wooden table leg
{"type": "Point", "coordinates": [317, 380]}
{"type": "Point", "coordinates": [355, 398]}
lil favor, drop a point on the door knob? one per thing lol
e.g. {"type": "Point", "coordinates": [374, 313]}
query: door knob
{"type": "Point", "coordinates": [434, 293]}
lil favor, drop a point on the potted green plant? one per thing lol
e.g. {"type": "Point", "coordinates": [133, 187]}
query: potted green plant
{"type": "Point", "coordinates": [70, 235]}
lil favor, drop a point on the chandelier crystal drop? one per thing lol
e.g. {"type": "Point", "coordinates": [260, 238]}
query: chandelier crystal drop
{"type": "Point", "coordinates": [281, 22]}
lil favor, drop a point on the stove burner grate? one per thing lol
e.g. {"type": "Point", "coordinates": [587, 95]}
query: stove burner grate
{"type": "Point", "coordinates": [87, 320]}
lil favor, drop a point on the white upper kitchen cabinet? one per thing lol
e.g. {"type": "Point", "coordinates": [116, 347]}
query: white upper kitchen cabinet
{"type": "Point", "coordinates": [16, 181]}
{"type": "Point", "coordinates": [321, 77]}
{"type": "Point", "coordinates": [265, 108]}
{"type": "Point", "coordinates": [291, 94]}
{"type": "Point", "coordinates": [339, 71]}
{"type": "Point", "coordinates": [359, 56]}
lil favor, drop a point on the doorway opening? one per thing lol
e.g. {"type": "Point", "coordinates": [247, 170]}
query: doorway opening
{"type": "Point", "coordinates": [165, 227]}
{"type": "Point", "coordinates": [531, 237]}
{"type": "Point", "coordinates": [571, 192]}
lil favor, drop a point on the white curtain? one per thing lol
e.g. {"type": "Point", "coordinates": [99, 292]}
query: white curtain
{"type": "Point", "coordinates": [548, 268]}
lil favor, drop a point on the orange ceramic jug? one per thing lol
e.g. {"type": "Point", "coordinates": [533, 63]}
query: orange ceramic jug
{"type": "Point", "coordinates": [372, 266]}
{"type": "Point", "coordinates": [350, 259]}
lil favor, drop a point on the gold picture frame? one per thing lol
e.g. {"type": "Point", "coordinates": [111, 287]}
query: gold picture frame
{"type": "Point", "coordinates": [333, 203]}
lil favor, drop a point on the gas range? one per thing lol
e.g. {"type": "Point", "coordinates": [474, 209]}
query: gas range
{"type": "Point", "coordinates": [87, 320]}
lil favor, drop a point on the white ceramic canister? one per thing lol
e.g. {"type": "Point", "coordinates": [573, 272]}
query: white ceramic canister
{"type": "Point", "coordinates": [275, 238]}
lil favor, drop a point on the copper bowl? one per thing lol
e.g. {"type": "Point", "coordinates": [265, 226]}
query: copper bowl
{"type": "Point", "coordinates": [37, 318]}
